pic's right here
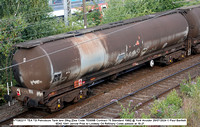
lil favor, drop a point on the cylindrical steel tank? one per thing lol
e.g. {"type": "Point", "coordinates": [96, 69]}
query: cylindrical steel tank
{"type": "Point", "coordinates": [193, 18]}
{"type": "Point", "coordinates": [71, 58]}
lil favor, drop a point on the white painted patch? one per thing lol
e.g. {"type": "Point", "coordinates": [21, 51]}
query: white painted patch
{"type": "Point", "coordinates": [39, 94]}
{"type": "Point", "coordinates": [24, 59]}
{"type": "Point", "coordinates": [164, 45]}
{"type": "Point", "coordinates": [143, 51]}
{"type": "Point", "coordinates": [30, 91]}
{"type": "Point", "coordinates": [126, 48]}
{"type": "Point", "coordinates": [138, 51]}
{"type": "Point", "coordinates": [21, 79]}
{"type": "Point", "coordinates": [186, 31]}
{"type": "Point", "coordinates": [120, 57]}
{"type": "Point", "coordinates": [133, 54]}
{"type": "Point", "coordinates": [92, 53]}
{"type": "Point", "coordinates": [80, 82]}
{"type": "Point", "coordinates": [35, 82]}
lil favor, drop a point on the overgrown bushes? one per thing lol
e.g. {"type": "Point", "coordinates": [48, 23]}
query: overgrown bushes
{"type": "Point", "coordinates": [167, 108]}
{"type": "Point", "coordinates": [186, 105]}
{"type": "Point", "coordinates": [22, 20]}
{"type": "Point", "coordinates": [191, 95]}
{"type": "Point", "coordinates": [125, 9]}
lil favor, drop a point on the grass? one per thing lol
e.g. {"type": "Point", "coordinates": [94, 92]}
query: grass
{"type": "Point", "coordinates": [191, 104]}
{"type": "Point", "coordinates": [184, 105]}
{"type": "Point", "coordinates": [167, 108]}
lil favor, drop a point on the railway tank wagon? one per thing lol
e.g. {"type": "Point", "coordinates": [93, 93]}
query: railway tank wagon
{"type": "Point", "coordinates": [59, 68]}
{"type": "Point", "coordinates": [193, 18]}
{"type": "Point", "coordinates": [84, 56]}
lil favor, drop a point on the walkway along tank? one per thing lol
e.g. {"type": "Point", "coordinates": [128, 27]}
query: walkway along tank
{"type": "Point", "coordinates": [59, 68]}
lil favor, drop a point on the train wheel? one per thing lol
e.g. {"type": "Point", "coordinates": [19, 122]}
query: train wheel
{"type": "Point", "coordinates": [151, 63]}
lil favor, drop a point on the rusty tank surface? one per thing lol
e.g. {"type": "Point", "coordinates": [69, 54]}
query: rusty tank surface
{"type": "Point", "coordinates": [193, 18]}
{"type": "Point", "coordinates": [68, 59]}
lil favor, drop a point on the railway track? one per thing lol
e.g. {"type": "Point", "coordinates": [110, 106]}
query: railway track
{"type": "Point", "coordinates": [22, 112]}
{"type": "Point", "coordinates": [9, 112]}
{"type": "Point", "coordinates": [144, 95]}
{"type": "Point", "coordinates": [16, 110]}
{"type": "Point", "coordinates": [99, 90]}
{"type": "Point", "coordinates": [120, 87]}
{"type": "Point", "coordinates": [27, 113]}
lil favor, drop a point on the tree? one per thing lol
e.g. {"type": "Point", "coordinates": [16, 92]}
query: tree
{"type": "Point", "coordinates": [22, 20]}
{"type": "Point", "coordinates": [94, 16]}
{"type": "Point", "coordinates": [33, 10]}
{"type": "Point", "coordinates": [126, 9]}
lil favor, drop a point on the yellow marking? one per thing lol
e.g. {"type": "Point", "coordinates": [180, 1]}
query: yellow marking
{"type": "Point", "coordinates": [58, 105]}
{"type": "Point", "coordinates": [81, 96]}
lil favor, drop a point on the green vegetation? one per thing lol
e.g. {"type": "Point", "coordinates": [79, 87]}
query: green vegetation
{"type": "Point", "coordinates": [93, 17]}
{"type": "Point", "coordinates": [191, 94]}
{"type": "Point", "coordinates": [186, 105]}
{"type": "Point", "coordinates": [126, 112]}
{"type": "Point", "coordinates": [126, 9]}
{"type": "Point", "coordinates": [167, 108]}
{"type": "Point", "coordinates": [22, 20]}
{"type": "Point", "coordinates": [191, 88]}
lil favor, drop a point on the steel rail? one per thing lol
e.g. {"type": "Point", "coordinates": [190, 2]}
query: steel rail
{"type": "Point", "coordinates": [13, 116]}
{"type": "Point", "coordinates": [131, 94]}
{"type": "Point", "coordinates": [139, 90]}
